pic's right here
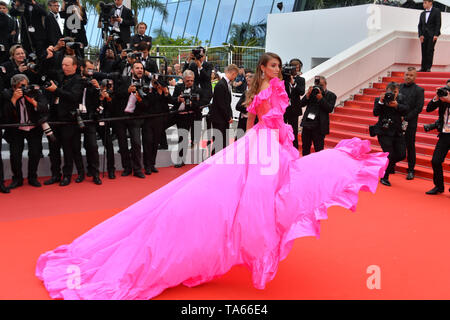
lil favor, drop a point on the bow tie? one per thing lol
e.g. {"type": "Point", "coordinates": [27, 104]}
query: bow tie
{"type": "Point", "coordinates": [118, 8]}
{"type": "Point", "coordinates": [427, 10]}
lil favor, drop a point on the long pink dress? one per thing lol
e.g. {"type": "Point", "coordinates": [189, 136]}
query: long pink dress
{"type": "Point", "coordinates": [243, 206]}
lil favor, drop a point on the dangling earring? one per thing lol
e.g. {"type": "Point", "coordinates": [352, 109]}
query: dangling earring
{"type": "Point", "coordinates": [262, 76]}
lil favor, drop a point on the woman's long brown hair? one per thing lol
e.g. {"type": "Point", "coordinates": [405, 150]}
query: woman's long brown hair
{"type": "Point", "coordinates": [258, 78]}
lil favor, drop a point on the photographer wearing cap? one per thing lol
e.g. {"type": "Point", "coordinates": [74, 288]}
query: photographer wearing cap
{"type": "Point", "coordinates": [24, 104]}
{"type": "Point", "coordinates": [319, 104]}
{"type": "Point", "coordinates": [441, 101]}
{"type": "Point", "coordinates": [128, 101]}
{"type": "Point", "coordinates": [414, 97]}
{"type": "Point", "coordinates": [390, 107]}
{"type": "Point", "coordinates": [68, 94]}
{"type": "Point", "coordinates": [295, 88]}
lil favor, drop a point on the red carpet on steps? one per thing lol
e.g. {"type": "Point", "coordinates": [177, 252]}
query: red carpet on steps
{"type": "Point", "coordinates": [399, 229]}
{"type": "Point", "coordinates": [354, 118]}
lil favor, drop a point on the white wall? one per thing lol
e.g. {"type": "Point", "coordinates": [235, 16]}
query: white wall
{"type": "Point", "coordinates": [325, 33]}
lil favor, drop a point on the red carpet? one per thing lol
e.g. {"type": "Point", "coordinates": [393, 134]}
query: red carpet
{"type": "Point", "coordinates": [399, 229]}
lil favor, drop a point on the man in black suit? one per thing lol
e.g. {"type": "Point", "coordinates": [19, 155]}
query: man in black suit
{"type": "Point", "coordinates": [126, 102]}
{"type": "Point", "coordinates": [414, 97]}
{"type": "Point", "coordinates": [68, 94]}
{"type": "Point", "coordinates": [54, 24]}
{"type": "Point", "coordinates": [25, 108]}
{"type": "Point", "coordinates": [140, 36]}
{"type": "Point", "coordinates": [221, 115]}
{"type": "Point", "coordinates": [122, 20]}
{"type": "Point", "coordinates": [390, 107]}
{"type": "Point", "coordinates": [295, 88]}
{"type": "Point", "coordinates": [443, 144]}
{"type": "Point", "coordinates": [186, 109]}
{"type": "Point", "coordinates": [150, 64]}
{"type": "Point", "coordinates": [32, 32]}
{"type": "Point", "coordinates": [316, 120]}
{"type": "Point", "coordinates": [429, 31]}
{"type": "Point", "coordinates": [7, 31]}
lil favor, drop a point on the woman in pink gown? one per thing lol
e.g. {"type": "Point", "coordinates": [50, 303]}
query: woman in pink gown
{"type": "Point", "coordinates": [243, 206]}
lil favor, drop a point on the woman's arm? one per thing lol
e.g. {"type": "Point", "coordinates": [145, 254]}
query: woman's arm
{"type": "Point", "coordinates": [250, 120]}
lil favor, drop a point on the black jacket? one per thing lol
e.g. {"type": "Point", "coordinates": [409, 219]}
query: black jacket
{"type": "Point", "coordinates": [433, 26]}
{"type": "Point", "coordinates": [52, 29]}
{"type": "Point", "coordinates": [322, 108]}
{"type": "Point", "coordinates": [155, 103]}
{"type": "Point", "coordinates": [92, 100]}
{"type": "Point", "coordinates": [295, 94]}
{"type": "Point", "coordinates": [414, 99]}
{"type": "Point", "coordinates": [385, 113]}
{"type": "Point", "coordinates": [80, 35]}
{"type": "Point", "coordinates": [433, 105]}
{"type": "Point", "coordinates": [179, 89]}
{"type": "Point", "coordinates": [151, 65]}
{"type": "Point", "coordinates": [128, 21]}
{"type": "Point", "coordinates": [34, 18]}
{"type": "Point", "coordinates": [12, 69]}
{"type": "Point", "coordinates": [121, 96]}
{"type": "Point", "coordinates": [69, 93]}
{"type": "Point", "coordinates": [137, 38]}
{"type": "Point", "coordinates": [203, 78]}
{"type": "Point", "coordinates": [6, 27]}
{"type": "Point", "coordinates": [220, 110]}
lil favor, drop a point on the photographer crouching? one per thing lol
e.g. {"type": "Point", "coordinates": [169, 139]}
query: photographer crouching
{"type": "Point", "coordinates": [441, 101]}
{"type": "Point", "coordinates": [88, 111]}
{"type": "Point", "coordinates": [390, 108]}
{"type": "Point", "coordinates": [24, 104]}
{"type": "Point", "coordinates": [68, 94]}
{"type": "Point", "coordinates": [316, 120]}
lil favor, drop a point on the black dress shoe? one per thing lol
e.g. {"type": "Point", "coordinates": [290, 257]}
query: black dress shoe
{"type": "Point", "coordinates": [153, 169]}
{"type": "Point", "coordinates": [148, 172]}
{"type": "Point", "coordinates": [126, 173]}
{"type": "Point", "coordinates": [139, 174]}
{"type": "Point", "coordinates": [410, 176]}
{"type": "Point", "coordinates": [65, 182]}
{"type": "Point", "coordinates": [34, 182]}
{"type": "Point", "coordinates": [435, 190]}
{"type": "Point", "coordinates": [4, 189]}
{"type": "Point", "coordinates": [52, 180]}
{"type": "Point", "coordinates": [385, 182]}
{"type": "Point", "coordinates": [179, 165]}
{"type": "Point", "coordinates": [111, 175]}
{"type": "Point", "coordinates": [80, 178]}
{"type": "Point", "coordinates": [97, 180]}
{"type": "Point", "coordinates": [15, 183]}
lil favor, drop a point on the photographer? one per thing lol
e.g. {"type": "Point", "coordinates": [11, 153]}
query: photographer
{"type": "Point", "coordinates": [240, 84]}
{"type": "Point", "coordinates": [32, 31]}
{"type": "Point", "coordinates": [3, 188]}
{"type": "Point", "coordinates": [122, 20]}
{"type": "Point", "coordinates": [295, 88]}
{"type": "Point", "coordinates": [25, 105]}
{"type": "Point", "coordinates": [7, 32]}
{"type": "Point", "coordinates": [68, 96]}
{"type": "Point", "coordinates": [54, 24]}
{"type": "Point", "coordinates": [140, 36]}
{"type": "Point", "coordinates": [55, 55]}
{"type": "Point", "coordinates": [319, 104]}
{"type": "Point", "coordinates": [88, 109]}
{"type": "Point", "coordinates": [414, 97]}
{"type": "Point", "coordinates": [150, 64]}
{"type": "Point", "coordinates": [390, 107]}
{"type": "Point", "coordinates": [156, 102]}
{"type": "Point", "coordinates": [441, 101]}
{"type": "Point", "coordinates": [202, 71]}
{"type": "Point", "coordinates": [186, 99]}
{"type": "Point", "coordinates": [18, 64]}
{"type": "Point", "coordinates": [108, 60]}
{"type": "Point", "coordinates": [75, 20]}
{"type": "Point", "coordinates": [128, 101]}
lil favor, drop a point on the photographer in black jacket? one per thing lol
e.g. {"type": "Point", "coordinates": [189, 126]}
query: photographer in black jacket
{"type": "Point", "coordinates": [68, 95]}
{"type": "Point", "coordinates": [26, 105]}
{"type": "Point", "coordinates": [414, 97]}
{"type": "Point", "coordinates": [156, 102]}
{"type": "Point", "coordinates": [295, 88]}
{"type": "Point", "coordinates": [390, 108]}
{"type": "Point", "coordinates": [3, 188]}
{"type": "Point", "coordinates": [442, 102]}
{"type": "Point", "coordinates": [319, 104]}
{"type": "Point", "coordinates": [88, 109]}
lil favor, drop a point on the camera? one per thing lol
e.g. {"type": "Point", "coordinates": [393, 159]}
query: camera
{"type": "Point", "coordinates": [432, 126]}
{"type": "Point", "coordinates": [108, 85]}
{"type": "Point", "coordinates": [317, 87]}
{"type": "Point", "coordinates": [287, 71]}
{"type": "Point", "coordinates": [136, 55]}
{"type": "Point", "coordinates": [142, 87]}
{"type": "Point", "coordinates": [77, 115]}
{"type": "Point", "coordinates": [106, 11]}
{"type": "Point", "coordinates": [31, 62]}
{"type": "Point", "coordinates": [31, 90]}
{"type": "Point", "coordinates": [189, 97]}
{"type": "Point", "coordinates": [386, 123]}
{"type": "Point", "coordinates": [442, 92]}
{"type": "Point", "coordinates": [160, 79]}
{"type": "Point", "coordinates": [46, 82]}
{"type": "Point", "coordinates": [389, 97]}
{"type": "Point", "coordinates": [74, 45]}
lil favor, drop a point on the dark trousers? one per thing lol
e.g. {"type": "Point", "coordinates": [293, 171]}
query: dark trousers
{"type": "Point", "coordinates": [310, 136]}
{"type": "Point", "coordinates": [91, 147]}
{"type": "Point", "coordinates": [34, 141]}
{"type": "Point", "coordinates": [222, 127]}
{"type": "Point", "coordinates": [106, 136]}
{"type": "Point", "coordinates": [152, 131]}
{"type": "Point", "coordinates": [71, 145]}
{"type": "Point", "coordinates": [55, 152]}
{"type": "Point", "coordinates": [439, 154]}
{"type": "Point", "coordinates": [2, 177]}
{"type": "Point", "coordinates": [131, 159]}
{"type": "Point", "coordinates": [410, 140]}
{"type": "Point", "coordinates": [196, 128]}
{"type": "Point", "coordinates": [183, 121]}
{"type": "Point", "coordinates": [427, 52]}
{"type": "Point", "coordinates": [293, 121]}
{"type": "Point", "coordinates": [397, 150]}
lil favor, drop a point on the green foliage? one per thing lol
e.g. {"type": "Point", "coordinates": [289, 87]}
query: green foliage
{"type": "Point", "coordinates": [246, 34]}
